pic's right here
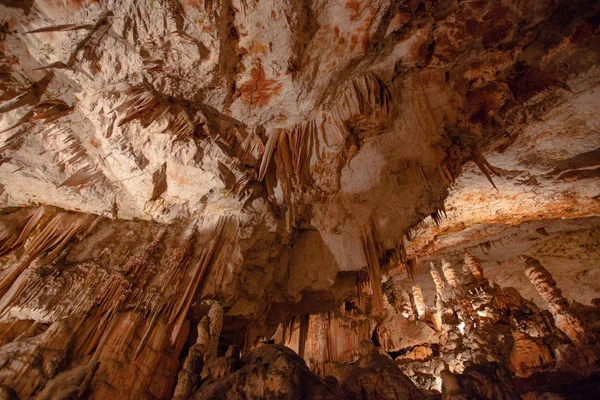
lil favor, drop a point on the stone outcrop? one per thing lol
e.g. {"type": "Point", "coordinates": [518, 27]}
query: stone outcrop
{"type": "Point", "coordinates": [268, 372]}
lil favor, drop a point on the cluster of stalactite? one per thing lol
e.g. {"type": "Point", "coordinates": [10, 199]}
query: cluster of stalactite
{"type": "Point", "coordinates": [308, 157]}
{"type": "Point", "coordinates": [96, 327]}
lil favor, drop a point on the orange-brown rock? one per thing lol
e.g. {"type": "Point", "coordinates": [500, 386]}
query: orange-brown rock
{"type": "Point", "coordinates": [187, 185]}
{"type": "Point", "coordinates": [270, 371]}
{"type": "Point", "coordinates": [566, 321]}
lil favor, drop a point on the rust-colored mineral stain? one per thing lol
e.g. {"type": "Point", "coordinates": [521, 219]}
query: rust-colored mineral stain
{"type": "Point", "coordinates": [354, 7]}
{"type": "Point", "coordinates": [77, 4]}
{"type": "Point", "coordinates": [259, 90]}
{"type": "Point", "coordinates": [192, 3]}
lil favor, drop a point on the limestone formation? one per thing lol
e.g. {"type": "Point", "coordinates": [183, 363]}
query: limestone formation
{"type": "Point", "coordinates": [565, 319]}
{"type": "Point", "coordinates": [299, 199]}
{"type": "Point", "coordinates": [419, 302]}
{"type": "Point", "coordinates": [439, 283]}
{"type": "Point", "coordinates": [189, 377]}
{"type": "Point", "coordinates": [528, 355]}
{"type": "Point", "coordinates": [474, 267]}
{"type": "Point", "coordinates": [215, 316]}
{"type": "Point", "coordinates": [450, 274]}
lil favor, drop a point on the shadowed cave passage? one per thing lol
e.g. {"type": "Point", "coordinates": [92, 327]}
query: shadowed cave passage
{"type": "Point", "coordinates": [358, 199]}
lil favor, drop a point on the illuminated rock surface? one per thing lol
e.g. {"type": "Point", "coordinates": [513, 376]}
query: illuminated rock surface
{"type": "Point", "coordinates": [299, 199]}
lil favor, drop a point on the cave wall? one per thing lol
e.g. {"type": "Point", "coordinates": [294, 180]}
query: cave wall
{"type": "Point", "coordinates": [180, 177]}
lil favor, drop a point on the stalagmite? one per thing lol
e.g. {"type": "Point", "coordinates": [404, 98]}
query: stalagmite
{"type": "Point", "coordinates": [474, 267]}
{"type": "Point", "coordinates": [451, 387]}
{"type": "Point", "coordinates": [419, 302]}
{"type": "Point", "coordinates": [450, 274]}
{"type": "Point", "coordinates": [440, 299]}
{"type": "Point", "coordinates": [528, 355]}
{"type": "Point", "coordinates": [542, 280]}
{"type": "Point", "coordinates": [566, 321]}
{"type": "Point", "coordinates": [215, 316]}
{"type": "Point", "coordinates": [467, 279]}
{"type": "Point", "coordinates": [406, 308]}
{"type": "Point", "coordinates": [439, 283]}
{"type": "Point", "coordinates": [70, 384]}
{"type": "Point", "coordinates": [189, 376]}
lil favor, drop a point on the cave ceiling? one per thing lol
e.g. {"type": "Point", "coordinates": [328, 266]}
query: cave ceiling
{"type": "Point", "coordinates": [283, 159]}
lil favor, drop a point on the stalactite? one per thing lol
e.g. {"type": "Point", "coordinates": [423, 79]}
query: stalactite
{"type": "Point", "coordinates": [180, 309]}
{"type": "Point", "coordinates": [328, 341]}
{"type": "Point", "coordinates": [437, 217]}
{"type": "Point", "coordinates": [84, 177]}
{"type": "Point", "coordinates": [75, 157]}
{"type": "Point", "coordinates": [15, 229]}
{"type": "Point", "coordinates": [411, 268]}
{"type": "Point", "coordinates": [240, 187]}
{"type": "Point", "coordinates": [484, 166]}
{"type": "Point", "coordinates": [364, 98]}
{"type": "Point", "coordinates": [268, 153]}
{"type": "Point", "coordinates": [31, 97]}
{"type": "Point", "coordinates": [303, 334]}
{"type": "Point", "coordinates": [180, 124]}
{"type": "Point", "coordinates": [90, 40]}
{"type": "Point", "coordinates": [54, 237]}
{"type": "Point", "coordinates": [294, 150]}
{"type": "Point", "coordinates": [374, 271]}
{"type": "Point", "coordinates": [290, 329]}
{"type": "Point", "coordinates": [45, 112]}
{"type": "Point", "coordinates": [307, 155]}
{"type": "Point", "coordinates": [231, 137]}
{"type": "Point", "coordinates": [143, 103]}
{"type": "Point", "coordinates": [155, 314]}
{"type": "Point", "coordinates": [159, 182]}
{"type": "Point", "coordinates": [139, 100]}
{"type": "Point", "coordinates": [61, 28]}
